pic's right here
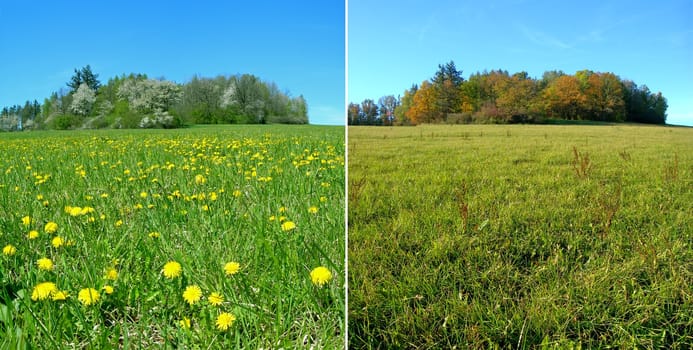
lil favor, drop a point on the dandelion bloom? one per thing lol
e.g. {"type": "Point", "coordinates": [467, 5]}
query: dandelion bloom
{"type": "Point", "coordinates": [108, 289]}
{"type": "Point", "coordinates": [118, 223]}
{"type": "Point", "coordinates": [45, 264]}
{"type": "Point", "coordinates": [33, 234]}
{"type": "Point", "coordinates": [59, 295]}
{"type": "Point", "coordinates": [313, 210]}
{"type": "Point", "coordinates": [225, 320]}
{"type": "Point", "coordinates": [231, 268]}
{"type": "Point", "coordinates": [154, 234]}
{"type": "Point", "coordinates": [88, 296]}
{"type": "Point", "coordinates": [200, 180]}
{"type": "Point", "coordinates": [288, 226]}
{"type": "Point", "coordinates": [215, 299]}
{"type": "Point", "coordinates": [111, 274]}
{"type": "Point", "coordinates": [51, 227]}
{"type": "Point", "coordinates": [43, 290]}
{"type": "Point", "coordinates": [171, 270]}
{"type": "Point", "coordinates": [143, 194]}
{"type": "Point", "coordinates": [184, 323]}
{"type": "Point", "coordinates": [9, 250]}
{"type": "Point", "coordinates": [57, 241]}
{"type": "Point", "coordinates": [236, 193]}
{"type": "Point", "coordinates": [74, 211]}
{"type": "Point", "coordinates": [192, 294]}
{"type": "Point", "coordinates": [26, 221]}
{"type": "Point", "coordinates": [320, 275]}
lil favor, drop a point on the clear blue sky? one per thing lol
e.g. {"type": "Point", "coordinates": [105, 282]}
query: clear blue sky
{"type": "Point", "coordinates": [297, 44]}
{"type": "Point", "coordinates": [393, 44]}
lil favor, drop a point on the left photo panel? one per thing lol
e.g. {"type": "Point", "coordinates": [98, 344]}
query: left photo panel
{"type": "Point", "coordinates": [173, 175]}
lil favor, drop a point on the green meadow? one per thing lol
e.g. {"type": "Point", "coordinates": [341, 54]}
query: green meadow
{"type": "Point", "coordinates": [210, 237]}
{"type": "Point", "coordinates": [529, 237]}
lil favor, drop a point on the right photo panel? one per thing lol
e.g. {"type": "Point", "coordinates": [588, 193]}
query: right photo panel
{"type": "Point", "coordinates": [520, 174]}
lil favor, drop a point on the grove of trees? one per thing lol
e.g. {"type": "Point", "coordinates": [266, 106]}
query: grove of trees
{"type": "Point", "coordinates": [136, 101]}
{"type": "Point", "coordinates": [500, 97]}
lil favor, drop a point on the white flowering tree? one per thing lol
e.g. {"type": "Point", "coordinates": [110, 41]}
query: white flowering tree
{"type": "Point", "coordinates": [148, 95]}
{"type": "Point", "coordinates": [83, 100]}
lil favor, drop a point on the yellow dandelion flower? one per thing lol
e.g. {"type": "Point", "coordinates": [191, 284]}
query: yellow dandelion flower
{"type": "Point", "coordinates": [171, 270]}
{"type": "Point", "coordinates": [88, 296]}
{"type": "Point", "coordinates": [184, 323]}
{"type": "Point", "coordinates": [282, 209]}
{"type": "Point", "coordinates": [33, 234]}
{"type": "Point", "coordinates": [86, 210]}
{"type": "Point", "coordinates": [51, 227]}
{"type": "Point", "coordinates": [215, 299]}
{"type": "Point", "coordinates": [200, 180]}
{"type": "Point", "coordinates": [43, 290]}
{"type": "Point", "coordinates": [154, 234]}
{"type": "Point", "coordinates": [118, 223]}
{"type": "Point", "coordinates": [313, 210]}
{"type": "Point", "coordinates": [320, 275]}
{"type": "Point", "coordinates": [45, 264]}
{"type": "Point", "coordinates": [59, 295]}
{"type": "Point", "coordinates": [225, 320]}
{"type": "Point", "coordinates": [74, 211]}
{"type": "Point", "coordinates": [57, 241]}
{"type": "Point", "coordinates": [272, 218]}
{"type": "Point", "coordinates": [236, 193]}
{"type": "Point", "coordinates": [9, 250]}
{"type": "Point", "coordinates": [323, 199]}
{"type": "Point", "coordinates": [39, 197]}
{"type": "Point", "coordinates": [26, 221]}
{"type": "Point", "coordinates": [143, 194]}
{"type": "Point", "coordinates": [192, 294]}
{"type": "Point", "coordinates": [288, 226]}
{"type": "Point", "coordinates": [107, 289]}
{"type": "Point", "coordinates": [111, 274]}
{"type": "Point", "coordinates": [231, 268]}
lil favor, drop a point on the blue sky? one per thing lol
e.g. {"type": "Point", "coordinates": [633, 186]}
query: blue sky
{"type": "Point", "coordinates": [393, 44]}
{"type": "Point", "coordinates": [297, 44]}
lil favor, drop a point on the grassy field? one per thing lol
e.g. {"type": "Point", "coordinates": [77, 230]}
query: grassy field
{"type": "Point", "coordinates": [206, 237]}
{"type": "Point", "coordinates": [520, 237]}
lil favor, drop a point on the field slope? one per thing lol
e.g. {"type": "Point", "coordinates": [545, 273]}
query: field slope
{"type": "Point", "coordinates": [520, 237]}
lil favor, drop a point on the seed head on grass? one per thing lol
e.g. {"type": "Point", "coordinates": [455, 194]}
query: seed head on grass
{"type": "Point", "coordinates": [320, 276]}
{"type": "Point", "coordinates": [171, 270]}
{"type": "Point", "coordinates": [88, 296]}
{"type": "Point", "coordinates": [288, 226]}
{"type": "Point", "coordinates": [9, 250]}
{"type": "Point", "coordinates": [225, 320]}
{"type": "Point", "coordinates": [43, 290]}
{"type": "Point", "coordinates": [192, 294]}
{"type": "Point", "coordinates": [45, 264]}
{"type": "Point", "coordinates": [51, 227]}
{"type": "Point", "coordinates": [231, 268]}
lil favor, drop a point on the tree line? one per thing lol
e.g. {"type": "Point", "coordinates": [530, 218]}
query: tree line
{"type": "Point", "coordinates": [500, 97]}
{"type": "Point", "coordinates": [136, 101]}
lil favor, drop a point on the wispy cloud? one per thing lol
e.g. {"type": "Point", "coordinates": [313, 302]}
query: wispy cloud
{"type": "Point", "coordinates": [544, 39]}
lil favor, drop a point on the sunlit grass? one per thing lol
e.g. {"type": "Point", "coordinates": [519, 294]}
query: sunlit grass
{"type": "Point", "coordinates": [172, 239]}
{"type": "Point", "coordinates": [520, 237]}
